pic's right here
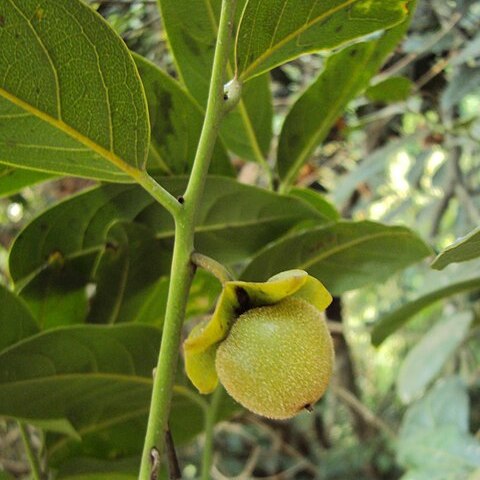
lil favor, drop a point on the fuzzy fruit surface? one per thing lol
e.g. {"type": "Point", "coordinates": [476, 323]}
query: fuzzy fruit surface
{"type": "Point", "coordinates": [278, 359]}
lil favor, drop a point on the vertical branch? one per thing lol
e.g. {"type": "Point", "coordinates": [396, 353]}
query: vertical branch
{"type": "Point", "coordinates": [215, 108]}
{"type": "Point", "coordinates": [182, 268]}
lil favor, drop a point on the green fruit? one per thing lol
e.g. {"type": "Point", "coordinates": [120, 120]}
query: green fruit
{"type": "Point", "coordinates": [277, 360]}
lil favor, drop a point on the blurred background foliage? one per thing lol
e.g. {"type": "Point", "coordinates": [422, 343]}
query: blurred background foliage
{"type": "Point", "coordinates": [406, 152]}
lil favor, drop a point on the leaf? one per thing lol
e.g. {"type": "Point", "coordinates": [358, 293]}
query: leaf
{"type": "Point", "coordinates": [57, 296]}
{"type": "Point", "coordinates": [16, 321]}
{"type": "Point", "coordinates": [74, 103]}
{"type": "Point", "coordinates": [272, 32]}
{"type": "Point", "coordinates": [192, 29]}
{"type": "Point", "coordinates": [234, 222]}
{"type": "Point", "coordinates": [131, 278]}
{"type": "Point", "coordinates": [317, 201]}
{"type": "Point", "coordinates": [445, 405]}
{"type": "Point", "coordinates": [343, 256]}
{"type": "Point", "coordinates": [441, 286]}
{"type": "Point", "coordinates": [123, 438]}
{"type": "Point", "coordinates": [445, 453]}
{"type": "Point", "coordinates": [176, 121]}
{"type": "Point", "coordinates": [425, 361]}
{"type": "Point", "coordinates": [98, 378]}
{"type": "Point", "coordinates": [393, 89]}
{"type": "Point", "coordinates": [95, 469]}
{"type": "Point", "coordinates": [12, 180]}
{"type": "Point", "coordinates": [434, 433]}
{"type": "Point", "coordinates": [79, 373]}
{"type": "Point", "coordinates": [313, 115]}
{"type": "Point", "coordinates": [464, 249]}
{"type": "Point", "coordinates": [132, 261]}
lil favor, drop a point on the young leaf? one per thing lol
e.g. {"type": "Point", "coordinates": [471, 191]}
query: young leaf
{"type": "Point", "coordinates": [273, 32]}
{"type": "Point", "coordinates": [12, 180]}
{"type": "Point", "coordinates": [234, 222]}
{"type": "Point", "coordinates": [464, 249]}
{"type": "Point", "coordinates": [192, 29]}
{"type": "Point", "coordinates": [74, 104]}
{"type": "Point", "coordinates": [176, 121]}
{"type": "Point", "coordinates": [424, 362]}
{"type": "Point", "coordinates": [16, 321]}
{"type": "Point", "coordinates": [345, 75]}
{"type": "Point", "coordinates": [343, 256]}
{"type": "Point", "coordinates": [440, 287]}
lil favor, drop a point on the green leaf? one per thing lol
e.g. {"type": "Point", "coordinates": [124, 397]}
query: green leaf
{"type": "Point", "coordinates": [99, 379]}
{"type": "Point", "coordinates": [57, 295]}
{"type": "Point", "coordinates": [317, 201]}
{"type": "Point", "coordinates": [176, 121]}
{"type": "Point", "coordinates": [434, 434]}
{"type": "Point", "coordinates": [123, 437]}
{"type": "Point", "coordinates": [74, 103]}
{"type": "Point", "coordinates": [5, 476]}
{"type": "Point", "coordinates": [16, 321]}
{"type": "Point", "coordinates": [234, 222]}
{"type": "Point", "coordinates": [310, 119]}
{"type": "Point", "coordinates": [127, 275]}
{"type": "Point", "coordinates": [95, 469]}
{"type": "Point", "coordinates": [192, 29]}
{"type": "Point", "coordinates": [446, 404]}
{"type": "Point", "coordinates": [425, 361]}
{"type": "Point", "coordinates": [464, 249]}
{"type": "Point", "coordinates": [273, 32]}
{"type": "Point", "coordinates": [345, 75]}
{"type": "Point", "coordinates": [393, 89]}
{"type": "Point", "coordinates": [440, 287]}
{"type": "Point", "coordinates": [12, 180]}
{"type": "Point", "coordinates": [131, 277]}
{"type": "Point", "coordinates": [344, 256]}
{"type": "Point", "coordinates": [79, 373]}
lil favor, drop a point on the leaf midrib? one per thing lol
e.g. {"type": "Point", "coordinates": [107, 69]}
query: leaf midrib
{"type": "Point", "coordinates": [134, 378]}
{"type": "Point", "coordinates": [75, 134]}
{"type": "Point", "coordinates": [268, 53]}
